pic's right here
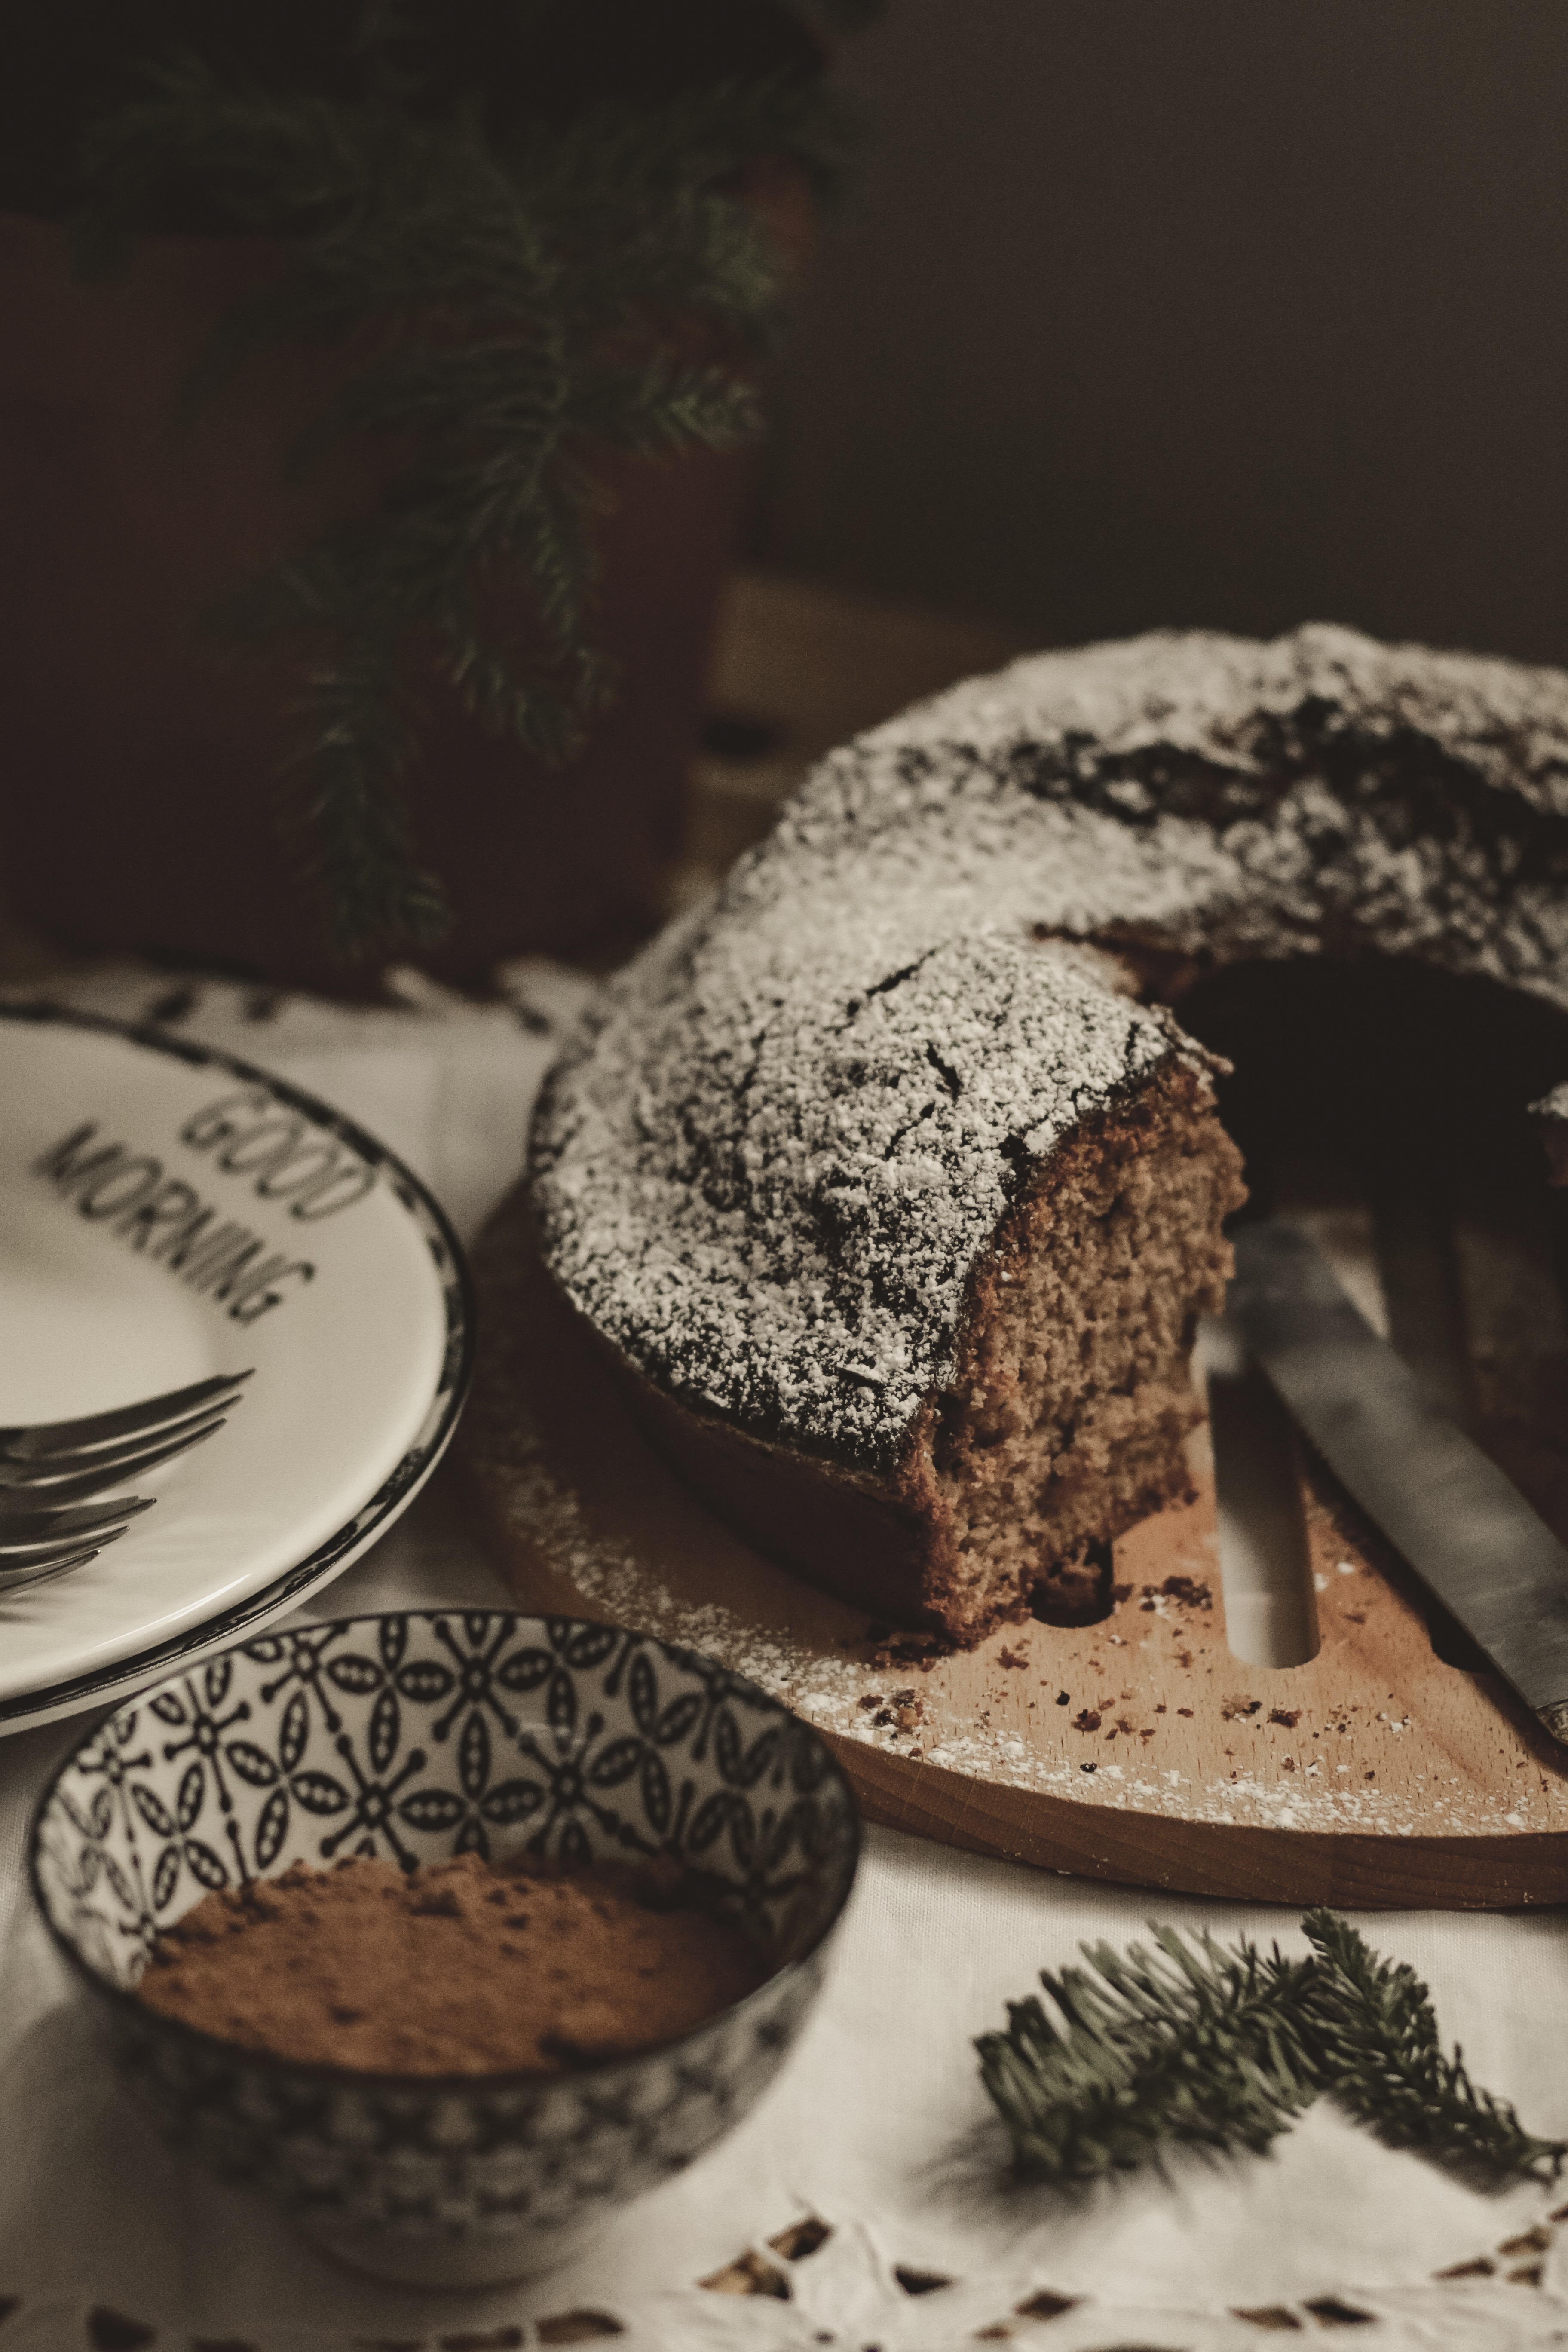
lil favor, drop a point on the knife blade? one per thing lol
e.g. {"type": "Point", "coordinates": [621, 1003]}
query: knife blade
{"type": "Point", "coordinates": [1464, 1527]}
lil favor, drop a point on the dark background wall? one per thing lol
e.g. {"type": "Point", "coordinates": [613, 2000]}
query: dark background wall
{"type": "Point", "coordinates": [1238, 313]}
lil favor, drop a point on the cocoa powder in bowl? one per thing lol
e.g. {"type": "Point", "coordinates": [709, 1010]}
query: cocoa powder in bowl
{"type": "Point", "coordinates": [462, 1967]}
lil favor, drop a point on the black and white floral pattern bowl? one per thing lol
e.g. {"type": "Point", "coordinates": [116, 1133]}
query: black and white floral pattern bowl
{"type": "Point", "coordinates": [416, 1737]}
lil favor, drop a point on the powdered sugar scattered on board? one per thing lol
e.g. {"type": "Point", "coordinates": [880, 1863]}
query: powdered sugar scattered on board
{"type": "Point", "coordinates": [828, 1691]}
{"type": "Point", "coordinates": [613, 1548]}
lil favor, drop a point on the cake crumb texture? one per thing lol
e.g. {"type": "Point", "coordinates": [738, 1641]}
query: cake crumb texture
{"type": "Point", "coordinates": [1064, 1424]}
{"type": "Point", "coordinates": [769, 1166]}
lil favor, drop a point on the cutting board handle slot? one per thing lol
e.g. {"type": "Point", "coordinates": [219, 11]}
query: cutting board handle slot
{"type": "Point", "coordinates": [1265, 1559]}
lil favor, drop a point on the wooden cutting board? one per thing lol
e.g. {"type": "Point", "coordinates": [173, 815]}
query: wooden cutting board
{"type": "Point", "coordinates": [1138, 1749]}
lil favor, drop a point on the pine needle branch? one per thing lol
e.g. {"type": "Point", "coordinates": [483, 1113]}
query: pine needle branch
{"type": "Point", "coordinates": [1223, 2047]}
{"type": "Point", "coordinates": [1380, 2056]}
{"type": "Point", "coordinates": [1206, 2049]}
{"type": "Point", "coordinates": [343, 801]}
{"type": "Point", "coordinates": [504, 305]}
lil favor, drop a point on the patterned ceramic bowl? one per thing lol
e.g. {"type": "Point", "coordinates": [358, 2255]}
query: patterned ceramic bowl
{"type": "Point", "coordinates": [415, 1737]}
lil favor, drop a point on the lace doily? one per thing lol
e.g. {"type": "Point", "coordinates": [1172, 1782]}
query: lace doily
{"type": "Point", "coordinates": [817, 2283]}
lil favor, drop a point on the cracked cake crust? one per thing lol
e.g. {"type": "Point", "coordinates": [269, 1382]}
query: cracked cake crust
{"type": "Point", "coordinates": [772, 1170]}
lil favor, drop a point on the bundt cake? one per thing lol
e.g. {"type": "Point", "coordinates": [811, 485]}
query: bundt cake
{"type": "Point", "coordinates": [895, 1205]}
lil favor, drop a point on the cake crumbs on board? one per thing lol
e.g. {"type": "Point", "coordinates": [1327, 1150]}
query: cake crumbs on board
{"type": "Point", "coordinates": [847, 1695]}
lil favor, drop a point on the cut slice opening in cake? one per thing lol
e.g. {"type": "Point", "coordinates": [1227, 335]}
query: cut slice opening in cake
{"type": "Point", "coordinates": [1065, 1422]}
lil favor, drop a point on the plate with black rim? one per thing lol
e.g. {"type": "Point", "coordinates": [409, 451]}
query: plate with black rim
{"type": "Point", "coordinates": [168, 1213]}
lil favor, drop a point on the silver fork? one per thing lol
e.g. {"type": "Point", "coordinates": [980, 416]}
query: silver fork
{"type": "Point", "coordinates": [50, 1472]}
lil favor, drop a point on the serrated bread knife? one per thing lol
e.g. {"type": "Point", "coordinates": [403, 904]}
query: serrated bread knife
{"type": "Point", "coordinates": [1465, 1528]}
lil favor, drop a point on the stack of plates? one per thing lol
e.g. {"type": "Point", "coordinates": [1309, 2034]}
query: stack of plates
{"type": "Point", "coordinates": [168, 1213]}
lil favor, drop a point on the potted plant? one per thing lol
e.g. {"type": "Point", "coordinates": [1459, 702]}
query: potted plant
{"type": "Point", "coordinates": [368, 458]}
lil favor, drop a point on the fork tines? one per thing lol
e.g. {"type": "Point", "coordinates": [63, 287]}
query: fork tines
{"type": "Point", "coordinates": [152, 1417]}
{"type": "Point", "coordinates": [27, 1534]}
{"type": "Point", "coordinates": [50, 1471]}
{"type": "Point", "coordinates": [10, 1580]}
{"type": "Point", "coordinates": [72, 1477]}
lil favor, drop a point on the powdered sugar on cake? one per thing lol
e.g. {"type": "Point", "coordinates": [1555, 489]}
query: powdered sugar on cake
{"type": "Point", "coordinates": [768, 1164]}
{"type": "Point", "coordinates": [769, 1194]}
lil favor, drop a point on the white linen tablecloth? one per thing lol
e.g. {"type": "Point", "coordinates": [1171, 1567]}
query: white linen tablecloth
{"type": "Point", "coordinates": [878, 2128]}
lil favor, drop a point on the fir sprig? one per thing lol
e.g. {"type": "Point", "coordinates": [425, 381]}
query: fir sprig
{"type": "Point", "coordinates": [1205, 2049]}
{"type": "Point", "coordinates": [507, 308]}
{"type": "Point", "coordinates": [1378, 2052]}
{"type": "Point", "coordinates": [1221, 2047]}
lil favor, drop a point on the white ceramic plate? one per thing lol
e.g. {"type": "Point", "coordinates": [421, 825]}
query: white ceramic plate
{"type": "Point", "coordinates": [167, 1212]}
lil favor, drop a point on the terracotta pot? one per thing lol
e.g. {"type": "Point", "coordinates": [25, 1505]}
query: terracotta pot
{"type": "Point", "coordinates": [137, 765]}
